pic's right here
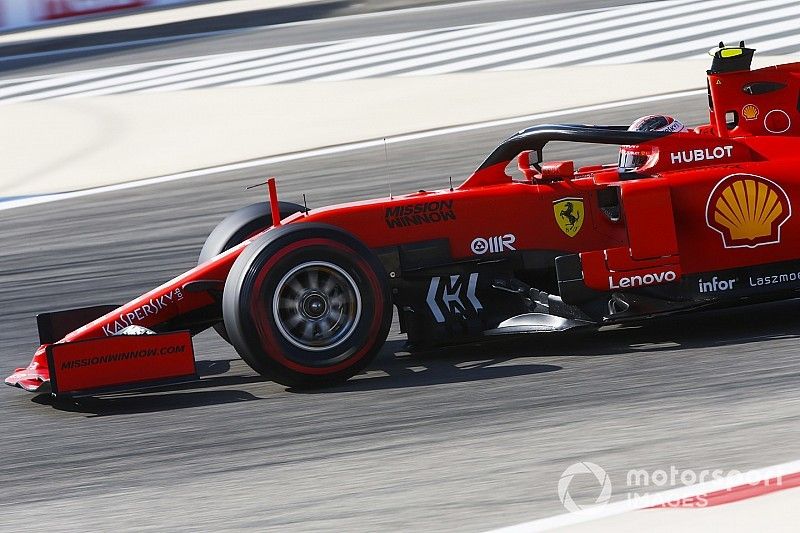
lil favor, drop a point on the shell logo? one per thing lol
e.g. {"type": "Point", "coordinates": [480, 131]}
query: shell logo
{"type": "Point", "coordinates": [750, 112]}
{"type": "Point", "coordinates": [747, 210]}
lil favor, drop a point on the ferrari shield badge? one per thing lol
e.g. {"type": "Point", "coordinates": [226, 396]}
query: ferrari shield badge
{"type": "Point", "coordinates": [569, 215]}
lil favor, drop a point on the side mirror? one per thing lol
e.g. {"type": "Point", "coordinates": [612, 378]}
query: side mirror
{"type": "Point", "coordinates": [558, 170]}
{"type": "Point", "coordinates": [524, 165]}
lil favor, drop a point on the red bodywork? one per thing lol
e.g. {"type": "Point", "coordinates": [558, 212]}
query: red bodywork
{"type": "Point", "coordinates": [716, 198]}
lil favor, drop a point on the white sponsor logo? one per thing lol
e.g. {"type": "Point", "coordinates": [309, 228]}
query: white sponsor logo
{"type": "Point", "coordinates": [627, 282]}
{"type": "Point", "coordinates": [153, 307]}
{"type": "Point", "coordinates": [674, 126]}
{"type": "Point", "coordinates": [786, 122]}
{"type": "Point", "coordinates": [646, 487]}
{"type": "Point", "coordinates": [136, 330]}
{"type": "Point", "coordinates": [584, 467]}
{"type": "Point", "coordinates": [697, 155]}
{"type": "Point", "coordinates": [715, 285]}
{"type": "Point", "coordinates": [444, 296]}
{"type": "Point", "coordinates": [775, 279]}
{"type": "Point", "coordinates": [492, 245]}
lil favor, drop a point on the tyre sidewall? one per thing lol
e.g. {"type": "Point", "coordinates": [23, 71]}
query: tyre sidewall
{"type": "Point", "coordinates": [250, 289]}
{"type": "Point", "coordinates": [236, 228]}
{"type": "Point", "coordinates": [240, 225]}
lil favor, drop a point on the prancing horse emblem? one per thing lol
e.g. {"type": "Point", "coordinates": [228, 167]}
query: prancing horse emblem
{"type": "Point", "coordinates": [569, 215]}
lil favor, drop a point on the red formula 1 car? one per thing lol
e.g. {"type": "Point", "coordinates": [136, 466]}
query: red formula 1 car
{"type": "Point", "coordinates": [688, 219]}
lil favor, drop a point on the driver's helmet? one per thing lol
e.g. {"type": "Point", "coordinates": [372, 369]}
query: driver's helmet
{"type": "Point", "coordinates": [632, 158]}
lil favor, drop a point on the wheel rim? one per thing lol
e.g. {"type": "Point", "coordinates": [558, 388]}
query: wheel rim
{"type": "Point", "coordinates": [316, 306]}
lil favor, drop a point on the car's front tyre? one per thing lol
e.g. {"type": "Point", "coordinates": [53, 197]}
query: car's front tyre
{"type": "Point", "coordinates": [238, 227]}
{"type": "Point", "coordinates": [307, 305]}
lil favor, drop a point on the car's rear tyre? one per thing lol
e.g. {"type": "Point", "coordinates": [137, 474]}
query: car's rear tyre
{"type": "Point", "coordinates": [307, 305]}
{"type": "Point", "coordinates": [235, 229]}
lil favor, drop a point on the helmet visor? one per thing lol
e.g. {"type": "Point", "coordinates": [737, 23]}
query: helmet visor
{"type": "Point", "coordinates": [631, 160]}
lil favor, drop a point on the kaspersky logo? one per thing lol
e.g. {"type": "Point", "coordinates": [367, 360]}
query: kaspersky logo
{"type": "Point", "coordinates": [747, 211]}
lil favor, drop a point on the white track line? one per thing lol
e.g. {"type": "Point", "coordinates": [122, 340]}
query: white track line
{"type": "Point", "coordinates": [380, 54]}
{"type": "Point", "coordinates": [778, 42]}
{"type": "Point", "coordinates": [206, 70]}
{"type": "Point", "coordinates": [564, 34]}
{"type": "Point", "coordinates": [657, 32]}
{"type": "Point", "coordinates": [155, 76]}
{"type": "Point", "coordinates": [37, 200]}
{"type": "Point", "coordinates": [659, 498]}
{"type": "Point", "coordinates": [533, 42]}
{"type": "Point", "coordinates": [200, 67]}
{"type": "Point", "coordinates": [757, 24]}
{"type": "Point", "coordinates": [333, 57]}
{"type": "Point", "coordinates": [529, 31]}
{"type": "Point", "coordinates": [62, 80]}
{"type": "Point", "coordinates": [648, 24]}
{"type": "Point", "coordinates": [240, 62]}
{"type": "Point", "coordinates": [499, 38]}
{"type": "Point", "coordinates": [148, 64]}
{"type": "Point", "coordinates": [171, 38]}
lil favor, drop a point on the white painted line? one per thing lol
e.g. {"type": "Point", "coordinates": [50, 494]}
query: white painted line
{"type": "Point", "coordinates": [84, 71]}
{"type": "Point", "coordinates": [197, 72]}
{"type": "Point", "coordinates": [779, 42]}
{"type": "Point", "coordinates": [199, 69]}
{"type": "Point", "coordinates": [403, 49]}
{"type": "Point", "coordinates": [233, 56]}
{"type": "Point", "coordinates": [37, 200]}
{"type": "Point", "coordinates": [680, 493]}
{"type": "Point", "coordinates": [522, 43]}
{"type": "Point", "coordinates": [172, 38]}
{"type": "Point", "coordinates": [62, 80]}
{"type": "Point", "coordinates": [328, 55]}
{"type": "Point", "coordinates": [685, 27]}
{"type": "Point", "coordinates": [465, 41]}
{"type": "Point", "coordinates": [204, 70]}
{"type": "Point", "coordinates": [122, 83]}
{"type": "Point", "coordinates": [762, 23]}
{"type": "Point", "coordinates": [561, 34]}
{"type": "Point", "coordinates": [549, 53]}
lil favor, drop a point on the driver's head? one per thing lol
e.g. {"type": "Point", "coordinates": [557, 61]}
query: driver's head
{"type": "Point", "coordinates": [632, 158]}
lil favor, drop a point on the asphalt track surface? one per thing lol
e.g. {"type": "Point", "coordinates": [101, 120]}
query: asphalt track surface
{"type": "Point", "coordinates": [465, 439]}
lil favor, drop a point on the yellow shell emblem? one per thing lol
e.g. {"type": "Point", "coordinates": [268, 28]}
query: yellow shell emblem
{"type": "Point", "coordinates": [747, 211]}
{"type": "Point", "coordinates": [750, 112]}
{"type": "Point", "coordinates": [569, 215]}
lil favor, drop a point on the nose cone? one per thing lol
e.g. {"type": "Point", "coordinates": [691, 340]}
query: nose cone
{"type": "Point", "coordinates": [35, 377]}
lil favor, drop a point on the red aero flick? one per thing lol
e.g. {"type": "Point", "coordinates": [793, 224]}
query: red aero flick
{"type": "Point", "coordinates": [688, 219]}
